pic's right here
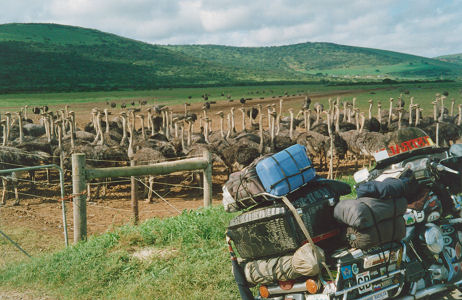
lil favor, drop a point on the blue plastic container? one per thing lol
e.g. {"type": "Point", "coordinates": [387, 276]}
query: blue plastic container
{"type": "Point", "coordinates": [285, 171]}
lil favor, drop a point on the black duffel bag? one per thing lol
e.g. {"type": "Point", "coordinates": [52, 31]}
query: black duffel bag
{"type": "Point", "coordinates": [372, 221]}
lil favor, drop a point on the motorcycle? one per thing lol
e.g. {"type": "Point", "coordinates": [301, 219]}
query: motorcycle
{"type": "Point", "coordinates": [427, 261]}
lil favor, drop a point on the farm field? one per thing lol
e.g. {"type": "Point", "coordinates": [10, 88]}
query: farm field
{"type": "Point", "coordinates": [37, 226]}
{"type": "Point", "coordinates": [423, 93]}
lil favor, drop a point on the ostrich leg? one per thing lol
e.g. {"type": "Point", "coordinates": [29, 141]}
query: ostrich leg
{"type": "Point", "coordinates": [5, 190]}
{"type": "Point", "coordinates": [14, 177]}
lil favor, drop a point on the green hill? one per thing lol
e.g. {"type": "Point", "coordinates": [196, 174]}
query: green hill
{"type": "Point", "coordinates": [453, 58]}
{"type": "Point", "coordinates": [56, 57]}
{"type": "Point", "coordinates": [325, 59]}
{"type": "Point", "coordinates": [51, 57]}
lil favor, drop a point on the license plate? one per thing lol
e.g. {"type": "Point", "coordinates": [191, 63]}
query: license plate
{"type": "Point", "coordinates": [361, 278]}
{"type": "Point", "coordinates": [379, 296]}
{"type": "Point", "coordinates": [317, 297]}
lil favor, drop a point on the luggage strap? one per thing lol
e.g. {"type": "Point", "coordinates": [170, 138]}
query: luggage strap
{"type": "Point", "coordinates": [307, 234]}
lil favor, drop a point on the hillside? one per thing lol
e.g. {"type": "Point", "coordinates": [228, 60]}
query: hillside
{"type": "Point", "coordinates": [325, 59]}
{"type": "Point", "coordinates": [453, 58]}
{"type": "Point", "coordinates": [56, 58]}
{"type": "Point", "coordinates": [51, 57]}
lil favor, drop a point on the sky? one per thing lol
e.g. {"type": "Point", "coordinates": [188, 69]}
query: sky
{"type": "Point", "coordinates": [421, 27]}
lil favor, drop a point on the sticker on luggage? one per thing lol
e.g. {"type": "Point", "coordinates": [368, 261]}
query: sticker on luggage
{"type": "Point", "coordinates": [361, 278]}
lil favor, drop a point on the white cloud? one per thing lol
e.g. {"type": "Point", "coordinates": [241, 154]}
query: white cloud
{"type": "Point", "coordinates": [422, 27]}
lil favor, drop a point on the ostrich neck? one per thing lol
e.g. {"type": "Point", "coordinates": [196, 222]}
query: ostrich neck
{"type": "Point", "coordinates": [130, 151]}
{"type": "Point", "coordinates": [8, 128]}
{"type": "Point", "coordinates": [183, 147]}
{"type": "Point", "coordinates": [47, 128]}
{"type": "Point", "coordinates": [337, 121]}
{"type": "Point", "coordinates": [228, 134]}
{"type": "Point", "coordinates": [100, 129]}
{"type": "Point", "coordinates": [362, 124]}
{"type": "Point", "coordinates": [309, 120]}
{"type": "Point", "coordinates": [63, 122]}
{"type": "Point", "coordinates": [124, 130]}
{"type": "Point", "coordinates": [221, 127]}
{"type": "Point", "coordinates": [260, 131]}
{"type": "Point", "coordinates": [189, 133]}
{"type": "Point", "coordinates": [60, 137]}
{"type": "Point", "coordinates": [143, 133]}
{"type": "Point", "coordinates": [410, 115]}
{"type": "Point", "coordinates": [21, 131]}
{"type": "Point", "coordinates": [72, 123]}
{"type": "Point", "coordinates": [272, 132]}
{"type": "Point", "coordinates": [291, 124]}
{"type": "Point", "coordinates": [417, 116]}
{"type": "Point", "coordinates": [370, 112]}
{"type": "Point", "coordinates": [233, 125]}
{"type": "Point", "coordinates": [206, 131]}
{"type": "Point", "coordinates": [106, 117]}
{"type": "Point", "coordinates": [4, 135]}
{"type": "Point", "coordinates": [390, 112]}
{"type": "Point", "coordinates": [243, 120]}
{"type": "Point", "coordinates": [149, 120]}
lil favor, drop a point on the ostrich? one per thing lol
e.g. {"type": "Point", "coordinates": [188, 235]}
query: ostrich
{"type": "Point", "coordinates": [252, 113]}
{"type": "Point", "coordinates": [390, 113]}
{"type": "Point", "coordinates": [11, 157]}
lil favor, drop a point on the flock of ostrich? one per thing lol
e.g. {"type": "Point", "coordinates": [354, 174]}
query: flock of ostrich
{"type": "Point", "coordinates": [339, 132]}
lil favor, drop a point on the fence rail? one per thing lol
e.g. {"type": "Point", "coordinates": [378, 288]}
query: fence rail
{"type": "Point", "coordinates": [80, 176]}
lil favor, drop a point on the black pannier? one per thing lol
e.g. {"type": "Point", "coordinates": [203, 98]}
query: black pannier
{"type": "Point", "coordinates": [272, 230]}
{"type": "Point", "coordinates": [371, 221]}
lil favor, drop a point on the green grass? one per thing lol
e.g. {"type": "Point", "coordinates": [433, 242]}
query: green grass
{"type": "Point", "coordinates": [423, 93]}
{"type": "Point", "coordinates": [170, 96]}
{"type": "Point", "coordinates": [191, 261]}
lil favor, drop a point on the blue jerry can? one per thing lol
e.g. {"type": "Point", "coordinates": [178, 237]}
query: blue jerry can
{"type": "Point", "coordinates": [285, 171]}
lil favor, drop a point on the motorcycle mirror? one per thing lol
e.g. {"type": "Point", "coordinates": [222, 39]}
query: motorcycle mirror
{"type": "Point", "coordinates": [456, 150]}
{"type": "Point", "coordinates": [361, 175]}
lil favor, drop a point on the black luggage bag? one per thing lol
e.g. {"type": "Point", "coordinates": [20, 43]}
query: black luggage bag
{"type": "Point", "coordinates": [272, 230]}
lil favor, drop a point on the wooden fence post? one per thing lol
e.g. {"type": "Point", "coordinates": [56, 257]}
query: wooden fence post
{"type": "Point", "coordinates": [79, 204]}
{"type": "Point", "coordinates": [134, 195]}
{"type": "Point", "coordinates": [208, 180]}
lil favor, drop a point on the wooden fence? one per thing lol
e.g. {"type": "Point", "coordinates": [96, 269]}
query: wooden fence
{"type": "Point", "coordinates": [80, 176]}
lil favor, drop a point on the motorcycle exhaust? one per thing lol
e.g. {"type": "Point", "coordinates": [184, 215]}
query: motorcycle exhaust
{"type": "Point", "coordinates": [428, 291]}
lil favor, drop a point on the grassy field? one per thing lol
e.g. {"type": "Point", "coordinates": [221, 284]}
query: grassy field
{"type": "Point", "coordinates": [423, 93]}
{"type": "Point", "coordinates": [184, 257]}
{"type": "Point", "coordinates": [169, 96]}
